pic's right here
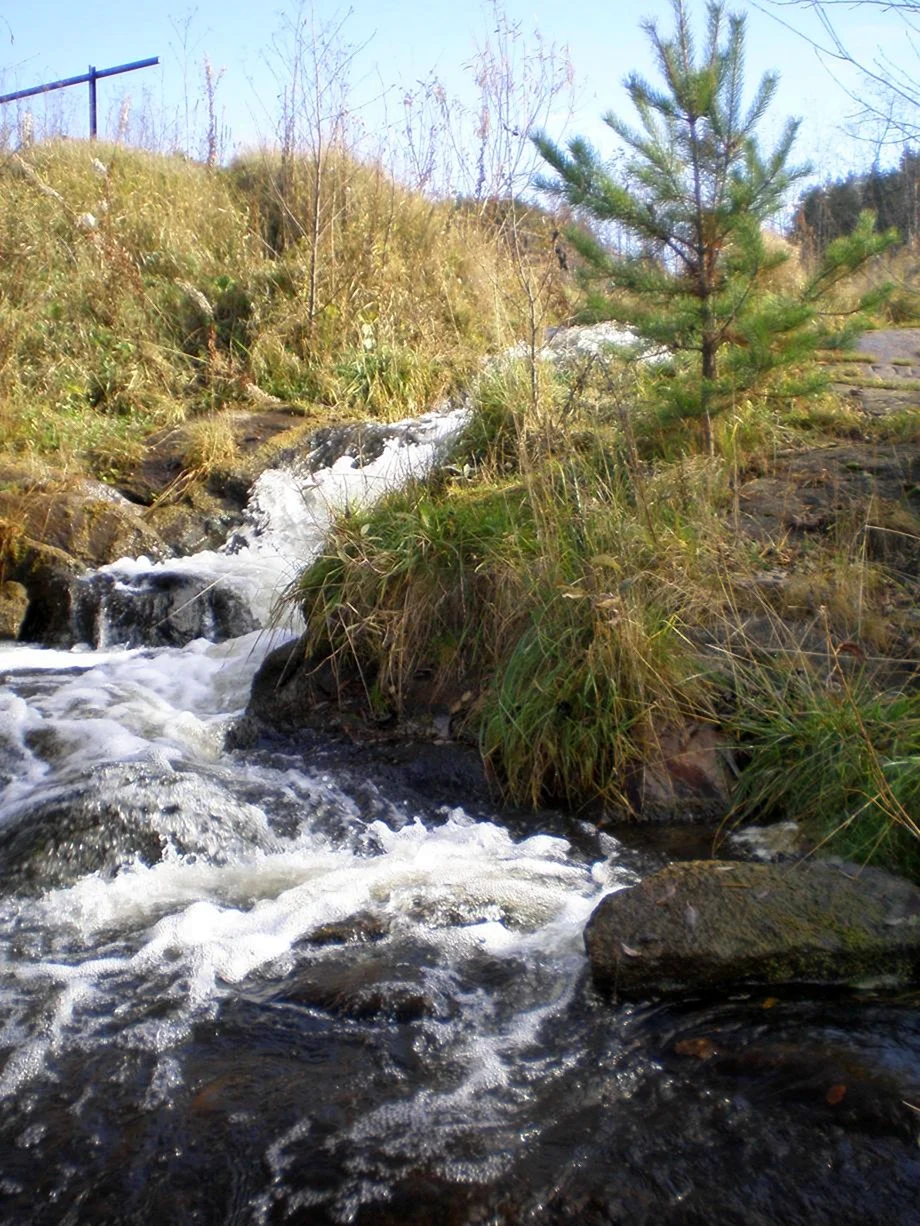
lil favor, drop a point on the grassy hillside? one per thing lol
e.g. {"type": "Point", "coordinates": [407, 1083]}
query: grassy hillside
{"type": "Point", "coordinates": [138, 290]}
{"type": "Point", "coordinates": [588, 586]}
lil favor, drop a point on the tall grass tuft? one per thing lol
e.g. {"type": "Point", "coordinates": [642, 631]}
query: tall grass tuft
{"type": "Point", "coordinates": [530, 577]}
{"type": "Point", "coordinates": [836, 754]}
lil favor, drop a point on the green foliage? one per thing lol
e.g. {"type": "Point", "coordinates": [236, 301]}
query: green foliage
{"type": "Point", "coordinates": [575, 705]}
{"type": "Point", "coordinates": [405, 585]}
{"type": "Point", "coordinates": [530, 578]}
{"type": "Point", "coordinates": [376, 377]}
{"type": "Point", "coordinates": [832, 209]}
{"type": "Point", "coordinates": [589, 584]}
{"type": "Point", "coordinates": [701, 278]}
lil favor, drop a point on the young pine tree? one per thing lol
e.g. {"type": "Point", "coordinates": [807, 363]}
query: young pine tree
{"type": "Point", "coordinates": [694, 196]}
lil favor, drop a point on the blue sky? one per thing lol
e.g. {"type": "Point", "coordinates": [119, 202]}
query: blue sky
{"type": "Point", "coordinates": [401, 42]}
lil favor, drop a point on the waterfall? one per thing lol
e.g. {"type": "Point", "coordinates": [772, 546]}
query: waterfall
{"type": "Point", "coordinates": [224, 593]}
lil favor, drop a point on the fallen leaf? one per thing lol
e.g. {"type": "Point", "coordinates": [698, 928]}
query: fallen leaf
{"type": "Point", "coordinates": [849, 648]}
{"type": "Point", "coordinates": [770, 1002]}
{"type": "Point", "coordinates": [836, 1094]}
{"type": "Point", "coordinates": [701, 1049]}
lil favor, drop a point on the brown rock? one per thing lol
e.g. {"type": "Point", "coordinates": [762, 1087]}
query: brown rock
{"type": "Point", "coordinates": [93, 529]}
{"type": "Point", "coordinates": [47, 574]}
{"type": "Point", "coordinates": [684, 776]}
{"type": "Point", "coordinates": [55, 528]}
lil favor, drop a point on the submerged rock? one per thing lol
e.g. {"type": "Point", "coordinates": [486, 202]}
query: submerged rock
{"type": "Point", "coordinates": [705, 925]}
{"type": "Point", "coordinates": [122, 813]}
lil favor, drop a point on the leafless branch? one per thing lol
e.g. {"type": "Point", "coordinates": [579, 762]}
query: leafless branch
{"type": "Point", "coordinates": [890, 99]}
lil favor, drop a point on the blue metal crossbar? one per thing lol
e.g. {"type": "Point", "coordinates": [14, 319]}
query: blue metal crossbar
{"type": "Point", "coordinates": [90, 77]}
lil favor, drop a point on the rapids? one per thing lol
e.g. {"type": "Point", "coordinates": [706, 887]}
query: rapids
{"type": "Point", "coordinates": [301, 982]}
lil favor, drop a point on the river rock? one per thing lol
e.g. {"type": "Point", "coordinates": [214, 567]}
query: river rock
{"type": "Point", "coordinates": [117, 814]}
{"type": "Point", "coordinates": [48, 575]}
{"type": "Point", "coordinates": [63, 526]}
{"type": "Point", "coordinates": [157, 608]}
{"type": "Point", "coordinates": [283, 690]}
{"type": "Point", "coordinates": [719, 925]}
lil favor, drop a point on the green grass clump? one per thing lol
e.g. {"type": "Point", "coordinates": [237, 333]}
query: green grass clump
{"type": "Point", "coordinates": [532, 577]}
{"type": "Point", "coordinates": [838, 756]}
{"type": "Point", "coordinates": [401, 588]}
{"type": "Point", "coordinates": [578, 701]}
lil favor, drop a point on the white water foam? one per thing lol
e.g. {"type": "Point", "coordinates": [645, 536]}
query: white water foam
{"type": "Point", "coordinates": [197, 930]}
{"type": "Point", "coordinates": [118, 705]}
{"type": "Point", "coordinates": [589, 341]}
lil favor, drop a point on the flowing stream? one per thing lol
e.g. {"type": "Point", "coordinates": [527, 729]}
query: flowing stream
{"type": "Point", "coordinates": [307, 982]}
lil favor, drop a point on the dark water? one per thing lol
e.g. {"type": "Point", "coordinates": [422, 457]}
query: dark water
{"type": "Point", "coordinates": [299, 1104]}
{"type": "Point", "coordinates": [377, 1011]}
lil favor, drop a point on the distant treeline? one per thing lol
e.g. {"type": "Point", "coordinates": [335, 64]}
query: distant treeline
{"type": "Point", "coordinates": [831, 210]}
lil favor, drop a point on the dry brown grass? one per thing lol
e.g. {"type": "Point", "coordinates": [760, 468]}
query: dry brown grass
{"type": "Point", "coordinates": [137, 289]}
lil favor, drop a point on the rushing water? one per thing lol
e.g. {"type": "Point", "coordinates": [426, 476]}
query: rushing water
{"type": "Point", "coordinates": [303, 983]}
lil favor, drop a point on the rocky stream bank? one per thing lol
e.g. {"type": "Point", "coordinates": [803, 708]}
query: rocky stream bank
{"type": "Point", "coordinates": [57, 529]}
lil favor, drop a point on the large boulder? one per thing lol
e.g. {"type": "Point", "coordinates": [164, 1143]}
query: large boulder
{"type": "Point", "coordinates": [719, 925]}
{"type": "Point", "coordinates": [156, 608]}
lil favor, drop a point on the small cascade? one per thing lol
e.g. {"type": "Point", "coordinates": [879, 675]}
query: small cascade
{"type": "Point", "coordinates": [224, 593]}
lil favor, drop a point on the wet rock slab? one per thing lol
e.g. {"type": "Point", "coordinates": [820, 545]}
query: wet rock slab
{"type": "Point", "coordinates": [712, 925]}
{"type": "Point", "coordinates": [160, 608]}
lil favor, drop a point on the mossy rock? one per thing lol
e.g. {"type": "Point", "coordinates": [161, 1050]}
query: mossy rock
{"type": "Point", "coordinates": [713, 925]}
{"type": "Point", "coordinates": [14, 600]}
{"type": "Point", "coordinates": [91, 528]}
{"type": "Point", "coordinates": [48, 574]}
